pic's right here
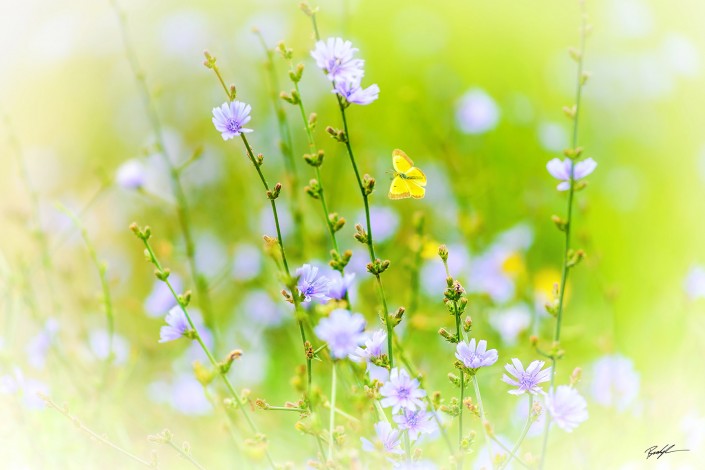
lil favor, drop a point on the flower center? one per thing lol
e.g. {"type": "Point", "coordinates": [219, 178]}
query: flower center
{"type": "Point", "coordinates": [403, 392]}
{"type": "Point", "coordinates": [233, 125]}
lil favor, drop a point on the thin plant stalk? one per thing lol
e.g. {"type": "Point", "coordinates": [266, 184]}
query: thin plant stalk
{"type": "Point", "coordinates": [287, 146]}
{"type": "Point", "coordinates": [182, 206]}
{"type": "Point", "coordinates": [569, 220]}
{"type": "Point", "coordinates": [95, 435]}
{"type": "Point", "coordinates": [522, 436]}
{"type": "Point", "coordinates": [331, 422]}
{"type": "Point", "coordinates": [197, 336]}
{"type": "Point", "coordinates": [104, 285]}
{"type": "Point", "coordinates": [482, 417]}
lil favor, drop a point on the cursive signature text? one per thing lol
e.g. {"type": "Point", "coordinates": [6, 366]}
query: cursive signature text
{"type": "Point", "coordinates": [667, 449]}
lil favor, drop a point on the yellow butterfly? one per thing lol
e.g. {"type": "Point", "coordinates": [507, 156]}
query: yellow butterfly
{"type": "Point", "coordinates": [408, 180]}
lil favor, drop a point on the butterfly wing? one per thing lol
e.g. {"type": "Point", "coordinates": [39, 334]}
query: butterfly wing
{"type": "Point", "coordinates": [416, 190]}
{"type": "Point", "coordinates": [416, 176]}
{"type": "Point", "coordinates": [399, 189]}
{"type": "Point", "coordinates": [401, 162]}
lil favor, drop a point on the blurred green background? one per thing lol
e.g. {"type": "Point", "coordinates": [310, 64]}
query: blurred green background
{"type": "Point", "coordinates": [72, 104]}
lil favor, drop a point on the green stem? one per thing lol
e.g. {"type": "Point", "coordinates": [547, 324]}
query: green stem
{"type": "Point", "coordinates": [370, 242]}
{"type": "Point", "coordinates": [507, 450]}
{"type": "Point", "coordinates": [569, 221]}
{"type": "Point", "coordinates": [95, 435]}
{"type": "Point", "coordinates": [529, 421]}
{"type": "Point", "coordinates": [100, 267]}
{"type": "Point", "coordinates": [273, 203]}
{"type": "Point", "coordinates": [331, 422]}
{"type": "Point", "coordinates": [236, 399]}
{"type": "Point", "coordinates": [313, 149]}
{"type": "Point", "coordinates": [482, 417]}
{"type": "Point", "coordinates": [177, 187]}
{"type": "Point", "coordinates": [286, 141]}
{"type": "Point", "coordinates": [185, 455]}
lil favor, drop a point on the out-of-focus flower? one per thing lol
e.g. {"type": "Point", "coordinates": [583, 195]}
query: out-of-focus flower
{"type": "Point", "coordinates": [161, 300]}
{"type": "Point", "coordinates": [16, 383]}
{"type": "Point", "coordinates": [211, 255]}
{"type": "Point", "coordinates": [433, 273]}
{"type": "Point", "coordinates": [474, 356]}
{"type": "Point", "coordinates": [38, 347]}
{"type": "Point", "coordinates": [387, 439]}
{"type": "Point", "coordinates": [510, 322]}
{"type": "Point", "coordinates": [268, 226]}
{"type": "Point", "coordinates": [561, 170]}
{"type": "Point", "coordinates": [567, 407]}
{"type": "Point", "coordinates": [343, 331]}
{"type": "Point", "coordinates": [384, 220]}
{"type": "Point", "coordinates": [614, 382]}
{"type": "Point", "coordinates": [375, 345]}
{"type": "Point", "coordinates": [247, 262]}
{"type": "Point", "coordinates": [494, 271]}
{"type": "Point", "coordinates": [416, 422]}
{"type": "Point", "coordinates": [336, 58]}
{"type": "Point", "coordinates": [177, 325]}
{"type": "Point", "coordinates": [526, 380]}
{"type": "Point", "coordinates": [230, 117]}
{"type": "Point", "coordinates": [521, 414]}
{"type": "Point", "coordinates": [402, 392]}
{"type": "Point", "coordinates": [694, 284]}
{"type": "Point", "coordinates": [261, 309]}
{"type": "Point", "coordinates": [353, 92]}
{"type": "Point", "coordinates": [99, 342]}
{"type": "Point", "coordinates": [339, 285]}
{"type": "Point", "coordinates": [131, 175]}
{"type": "Point", "coordinates": [476, 112]}
{"type": "Point", "coordinates": [187, 396]}
{"type": "Point", "coordinates": [553, 136]}
{"type": "Point", "coordinates": [311, 284]}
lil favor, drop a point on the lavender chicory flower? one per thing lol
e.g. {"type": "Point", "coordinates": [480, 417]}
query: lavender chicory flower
{"type": "Point", "coordinates": [343, 331]}
{"type": "Point", "coordinates": [561, 170]}
{"type": "Point", "coordinates": [567, 407]}
{"type": "Point", "coordinates": [336, 58]}
{"type": "Point", "coordinates": [526, 380]}
{"type": "Point", "coordinates": [311, 285]}
{"type": "Point", "coordinates": [475, 356]}
{"type": "Point", "coordinates": [387, 439]}
{"type": "Point", "coordinates": [230, 118]}
{"type": "Point", "coordinates": [402, 392]}
{"type": "Point", "coordinates": [177, 325]}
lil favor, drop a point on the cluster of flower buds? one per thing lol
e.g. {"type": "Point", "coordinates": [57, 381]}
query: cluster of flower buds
{"type": "Point", "coordinates": [336, 222]}
{"type": "Point", "coordinates": [338, 261]}
{"type": "Point", "coordinates": [274, 193]}
{"type": "Point", "coordinates": [378, 266]}
{"type": "Point", "coordinates": [337, 134]}
{"type": "Point", "coordinates": [315, 160]}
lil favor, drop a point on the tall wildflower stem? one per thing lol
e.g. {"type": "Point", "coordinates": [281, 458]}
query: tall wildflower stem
{"type": "Point", "coordinates": [104, 285]}
{"type": "Point", "coordinates": [580, 80]}
{"type": "Point", "coordinates": [484, 420]}
{"type": "Point", "coordinates": [370, 240]}
{"type": "Point", "coordinates": [36, 221]}
{"type": "Point", "coordinates": [287, 146]}
{"type": "Point", "coordinates": [300, 316]}
{"type": "Point", "coordinates": [522, 436]}
{"type": "Point", "coordinates": [459, 338]}
{"type": "Point", "coordinates": [182, 207]}
{"type": "Point", "coordinates": [331, 423]}
{"type": "Point", "coordinates": [314, 149]}
{"type": "Point", "coordinates": [275, 213]}
{"type": "Point", "coordinates": [237, 401]}
{"type": "Point", "coordinates": [95, 435]}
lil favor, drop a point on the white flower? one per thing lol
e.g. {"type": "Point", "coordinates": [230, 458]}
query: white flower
{"type": "Point", "coordinates": [561, 170]}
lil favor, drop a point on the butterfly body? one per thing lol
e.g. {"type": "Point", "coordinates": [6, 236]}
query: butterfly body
{"type": "Point", "coordinates": [407, 181]}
